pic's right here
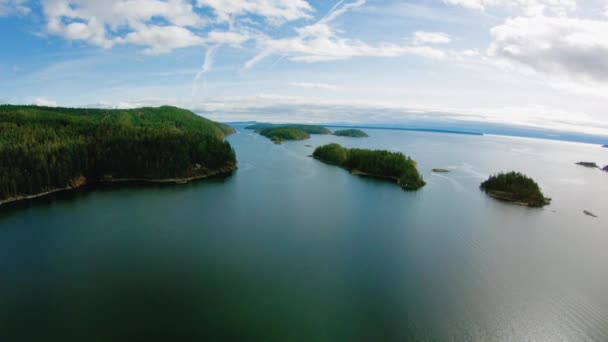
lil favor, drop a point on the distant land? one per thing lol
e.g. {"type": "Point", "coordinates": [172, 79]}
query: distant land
{"type": "Point", "coordinates": [281, 133]}
{"type": "Point", "coordinates": [351, 133]}
{"type": "Point", "coordinates": [49, 149]}
{"type": "Point", "coordinates": [471, 128]}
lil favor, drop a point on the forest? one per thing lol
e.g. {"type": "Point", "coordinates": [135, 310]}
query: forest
{"type": "Point", "coordinates": [352, 133]}
{"type": "Point", "coordinates": [43, 148]}
{"type": "Point", "coordinates": [515, 187]}
{"type": "Point", "coordinates": [375, 163]}
{"type": "Point", "coordinates": [280, 133]}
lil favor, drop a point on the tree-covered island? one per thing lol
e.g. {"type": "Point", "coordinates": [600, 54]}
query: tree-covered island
{"type": "Point", "coordinates": [373, 163]}
{"type": "Point", "coordinates": [517, 188]}
{"type": "Point", "coordinates": [44, 150]}
{"type": "Point", "coordinates": [280, 133]}
{"type": "Point", "coordinates": [352, 133]}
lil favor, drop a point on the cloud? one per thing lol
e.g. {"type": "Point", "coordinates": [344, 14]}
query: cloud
{"type": "Point", "coordinates": [42, 102]}
{"type": "Point", "coordinates": [162, 39]}
{"type": "Point", "coordinates": [163, 25]}
{"type": "Point", "coordinates": [276, 108]}
{"type": "Point", "coordinates": [309, 85]}
{"type": "Point", "coordinates": [273, 11]}
{"type": "Point", "coordinates": [573, 48]}
{"type": "Point", "coordinates": [423, 37]}
{"type": "Point", "coordinates": [8, 7]}
{"type": "Point", "coordinates": [527, 7]}
{"type": "Point", "coordinates": [320, 42]}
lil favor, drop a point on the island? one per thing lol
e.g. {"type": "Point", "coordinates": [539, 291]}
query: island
{"type": "Point", "coordinates": [605, 168]}
{"type": "Point", "coordinates": [45, 150]}
{"type": "Point", "coordinates": [588, 164]}
{"type": "Point", "coordinates": [588, 213]}
{"type": "Point", "coordinates": [280, 133]}
{"type": "Point", "coordinates": [606, 146]}
{"type": "Point", "coordinates": [352, 133]}
{"type": "Point", "coordinates": [373, 163]}
{"type": "Point", "coordinates": [517, 188]}
{"type": "Point", "coordinates": [440, 170]}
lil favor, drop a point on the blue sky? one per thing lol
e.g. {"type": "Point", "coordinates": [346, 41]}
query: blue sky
{"type": "Point", "coordinates": [537, 63]}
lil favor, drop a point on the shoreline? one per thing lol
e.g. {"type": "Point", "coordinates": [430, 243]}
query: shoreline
{"type": "Point", "coordinates": [82, 182]}
{"type": "Point", "coordinates": [508, 197]}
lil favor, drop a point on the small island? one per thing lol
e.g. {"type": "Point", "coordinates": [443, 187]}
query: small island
{"type": "Point", "coordinates": [281, 133]}
{"type": "Point", "coordinates": [373, 163]}
{"type": "Point", "coordinates": [351, 133]}
{"type": "Point", "coordinates": [440, 170]}
{"type": "Point", "coordinates": [591, 165]}
{"type": "Point", "coordinates": [517, 188]}
{"type": "Point", "coordinates": [45, 150]}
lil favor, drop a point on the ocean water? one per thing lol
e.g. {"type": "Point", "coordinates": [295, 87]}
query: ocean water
{"type": "Point", "coordinates": [288, 248]}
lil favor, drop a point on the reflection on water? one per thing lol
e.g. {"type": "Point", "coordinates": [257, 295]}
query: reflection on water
{"type": "Point", "coordinates": [290, 248]}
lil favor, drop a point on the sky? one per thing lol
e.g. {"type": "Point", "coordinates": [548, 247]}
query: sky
{"type": "Point", "coordinates": [534, 63]}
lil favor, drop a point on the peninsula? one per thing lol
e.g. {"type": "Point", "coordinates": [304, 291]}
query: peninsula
{"type": "Point", "coordinates": [352, 133]}
{"type": "Point", "coordinates": [517, 188]}
{"type": "Point", "coordinates": [281, 133]}
{"type": "Point", "coordinates": [45, 150]}
{"type": "Point", "coordinates": [373, 163]}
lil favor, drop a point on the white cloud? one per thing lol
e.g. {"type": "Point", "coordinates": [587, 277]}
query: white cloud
{"type": "Point", "coordinates": [573, 48]}
{"type": "Point", "coordinates": [320, 42]}
{"type": "Point", "coordinates": [13, 6]}
{"type": "Point", "coordinates": [42, 102]}
{"type": "Point", "coordinates": [276, 108]}
{"type": "Point", "coordinates": [163, 25]}
{"type": "Point", "coordinates": [423, 37]}
{"type": "Point", "coordinates": [162, 39]}
{"type": "Point", "coordinates": [274, 11]}
{"type": "Point", "coordinates": [112, 105]}
{"type": "Point", "coordinates": [527, 7]}
{"type": "Point", "coordinates": [310, 85]}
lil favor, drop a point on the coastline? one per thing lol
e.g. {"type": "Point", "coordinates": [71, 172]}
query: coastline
{"type": "Point", "coordinates": [508, 197]}
{"type": "Point", "coordinates": [81, 182]}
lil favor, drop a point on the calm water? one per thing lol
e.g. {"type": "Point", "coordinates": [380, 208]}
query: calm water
{"type": "Point", "coordinates": [291, 249]}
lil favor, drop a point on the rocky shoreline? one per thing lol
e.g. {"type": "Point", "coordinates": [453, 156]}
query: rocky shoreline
{"type": "Point", "coordinates": [81, 181]}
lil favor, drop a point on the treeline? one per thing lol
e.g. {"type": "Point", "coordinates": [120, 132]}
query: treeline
{"type": "Point", "coordinates": [515, 187]}
{"type": "Point", "coordinates": [376, 163]}
{"type": "Point", "coordinates": [352, 133]}
{"type": "Point", "coordinates": [42, 149]}
{"type": "Point", "coordinates": [279, 133]}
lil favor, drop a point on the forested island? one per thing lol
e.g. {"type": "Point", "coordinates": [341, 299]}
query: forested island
{"type": "Point", "coordinates": [44, 150]}
{"type": "Point", "coordinates": [373, 163]}
{"type": "Point", "coordinates": [281, 133]}
{"type": "Point", "coordinates": [352, 133]}
{"type": "Point", "coordinates": [517, 188]}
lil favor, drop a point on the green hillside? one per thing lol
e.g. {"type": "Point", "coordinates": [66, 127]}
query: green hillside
{"type": "Point", "coordinates": [43, 149]}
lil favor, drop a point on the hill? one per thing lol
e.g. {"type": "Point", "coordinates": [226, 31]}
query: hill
{"type": "Point", "coordinates": [49, 149]}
